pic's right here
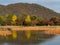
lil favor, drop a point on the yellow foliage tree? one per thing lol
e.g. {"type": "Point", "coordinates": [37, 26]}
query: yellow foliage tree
{"type": "Point", "coordinates": [14, 17]}
{"type": "Point", "coordinates": [28, 19]}
{"type": "Point", "coordinates": [28, 33]}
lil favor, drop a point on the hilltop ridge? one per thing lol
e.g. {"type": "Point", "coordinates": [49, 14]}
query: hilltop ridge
{"type": "Point", "coordinates": [31, 9]}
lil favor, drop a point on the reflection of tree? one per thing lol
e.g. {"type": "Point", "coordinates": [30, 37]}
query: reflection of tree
{"type": "Point", "coordinates": [27, 37]}
{"type": "Point", "coordinates": [32, 37]}
{"type": "Point", "coordinates": [14, 34]}
{"type": "Point", "coordinates": [28, 34]}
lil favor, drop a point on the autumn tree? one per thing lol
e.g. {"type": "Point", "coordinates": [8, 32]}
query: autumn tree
{"type": "Point", "coordinates": [27, 20]}
{"type": "Point", "coordinates": [11, 18]}
{"type": "Point", "coordinates": [55, 20]}
{"type": "Point", "coordinates": [36, 20]}
{"type": "Point", "coordinates": [14, 18]}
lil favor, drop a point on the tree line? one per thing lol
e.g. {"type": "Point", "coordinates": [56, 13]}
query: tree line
{"type": "Point", "coordinates": [27, 20]}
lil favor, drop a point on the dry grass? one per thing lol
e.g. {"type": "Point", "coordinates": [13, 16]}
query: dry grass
{"type": "Point", "coordinates": [47, 29]}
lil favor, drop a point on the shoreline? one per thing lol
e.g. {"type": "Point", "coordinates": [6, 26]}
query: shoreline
{"type": "Point", "coordinates": [48, 29]}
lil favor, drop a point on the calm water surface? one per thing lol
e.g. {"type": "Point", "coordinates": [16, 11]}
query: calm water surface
{"type": "Point", "coordinates": [30, 38]}
{"type": "Point", "coordinates": [53, 41]}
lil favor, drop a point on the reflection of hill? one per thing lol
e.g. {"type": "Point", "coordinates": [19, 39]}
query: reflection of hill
{"type": "Point", "coordinates": [35, 38]}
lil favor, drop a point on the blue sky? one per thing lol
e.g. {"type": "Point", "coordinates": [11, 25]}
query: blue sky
{"type": "Point", "coordinates": [52, 4]}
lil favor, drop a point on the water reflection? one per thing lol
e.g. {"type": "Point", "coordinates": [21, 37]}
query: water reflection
{"type": "Point", "coordinates": [14, 34]}
{"type": "Point", "coordinates": [25, 38]}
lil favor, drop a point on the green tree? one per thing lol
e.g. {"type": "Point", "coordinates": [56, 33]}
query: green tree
{"type": "Point", "coordinates": [8, 18]}
{"type": "Point", "coordinates": [34, 17]}
{"type": "Point", "coordinates": [1, 20]}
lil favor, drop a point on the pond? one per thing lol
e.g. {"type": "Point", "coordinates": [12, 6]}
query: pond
{"type": "Point", "coordinates": [30, 38]}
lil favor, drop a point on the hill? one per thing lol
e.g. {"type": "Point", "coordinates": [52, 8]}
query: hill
{"type": "Point", "coordinates": [32, 9]}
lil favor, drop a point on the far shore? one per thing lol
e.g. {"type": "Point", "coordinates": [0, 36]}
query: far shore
{"type": "Point", "coordinates": [4, 30]}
